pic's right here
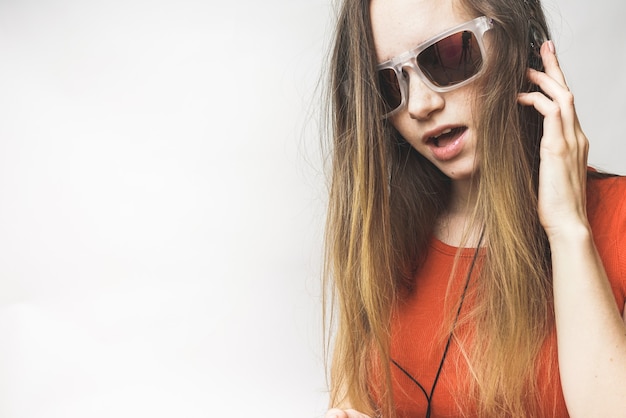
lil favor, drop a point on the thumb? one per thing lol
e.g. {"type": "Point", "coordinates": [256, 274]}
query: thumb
{"type": "Point", "coordinates": [348, 413]}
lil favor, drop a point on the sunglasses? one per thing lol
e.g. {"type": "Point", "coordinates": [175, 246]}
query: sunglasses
{"type": "Point", "coordinates": [445, 62]}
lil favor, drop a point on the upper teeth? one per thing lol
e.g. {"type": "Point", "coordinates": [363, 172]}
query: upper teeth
{"type": "Point", "coordinates": [447, 131]}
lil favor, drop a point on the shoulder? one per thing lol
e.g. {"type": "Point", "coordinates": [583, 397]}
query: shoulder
{"type": "Point", "coordinates": [606, 211]}
{"type": "Point", "coordinates": [606, 200]}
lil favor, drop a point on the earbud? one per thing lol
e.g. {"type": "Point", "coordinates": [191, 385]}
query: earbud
{"type": "Point", "coordinates": [536, 38]}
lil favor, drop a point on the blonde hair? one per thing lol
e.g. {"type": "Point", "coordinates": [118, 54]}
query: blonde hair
{"type": "Point", "coordinates": [385, 198]}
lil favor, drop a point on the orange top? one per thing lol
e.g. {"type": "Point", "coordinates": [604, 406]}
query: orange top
{"type": "Point", "coordinates": [417, 343]}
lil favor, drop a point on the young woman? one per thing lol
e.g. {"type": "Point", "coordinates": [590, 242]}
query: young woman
{"type": "Point", "coordinates": [476, 265]}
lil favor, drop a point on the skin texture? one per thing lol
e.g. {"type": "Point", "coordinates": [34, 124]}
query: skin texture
{"type": "Point", "coordinates": [347, 413]}
{"type": "Point", "coordinates": [591, 334]}
{"type": "Point", "coordinates": [429, 112]}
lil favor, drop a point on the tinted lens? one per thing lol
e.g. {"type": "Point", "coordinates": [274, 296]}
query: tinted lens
{"type": "Point", "coordinates": [389, 88]}
{"type": "Point", "coordinates": [451, 60]}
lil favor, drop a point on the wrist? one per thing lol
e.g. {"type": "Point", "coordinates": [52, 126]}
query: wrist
{"type": "Point", "coordinates": [567, 237]}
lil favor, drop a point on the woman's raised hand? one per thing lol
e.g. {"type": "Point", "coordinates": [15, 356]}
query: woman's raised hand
{"type": "Point", "coordinates": [564, 148]}
{"type": "Point", "coordinates": [344, 413]}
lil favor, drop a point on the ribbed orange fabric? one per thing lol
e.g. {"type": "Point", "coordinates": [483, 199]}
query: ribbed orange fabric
{"type": "Point", "coordinates": [418, 342]}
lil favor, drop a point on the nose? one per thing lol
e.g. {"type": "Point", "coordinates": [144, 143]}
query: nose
{"type": "Point", "coordinates": [423, 102]}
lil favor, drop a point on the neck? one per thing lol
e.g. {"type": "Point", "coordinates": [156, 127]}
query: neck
{"type": "Point", "coordinates": [453, 226]}
{"type": "Point", "coordinates": [463, 197]}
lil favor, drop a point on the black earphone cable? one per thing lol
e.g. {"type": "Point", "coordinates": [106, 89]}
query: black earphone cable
{"type": "Point", "coordinates": [429, 397]}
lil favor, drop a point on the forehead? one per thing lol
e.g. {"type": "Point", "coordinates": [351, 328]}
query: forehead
{"type": "Point", "coordinates": [400, 25]}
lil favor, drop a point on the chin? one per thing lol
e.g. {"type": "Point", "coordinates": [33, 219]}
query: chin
{"type": "Point", "coordinates": [459, 173]}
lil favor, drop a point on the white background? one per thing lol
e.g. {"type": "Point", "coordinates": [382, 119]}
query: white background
{"type": "Point", "coordinates": [162, 199]}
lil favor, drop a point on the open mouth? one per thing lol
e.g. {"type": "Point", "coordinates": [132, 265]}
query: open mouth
{"type": "Point", "coordinates": [447, 137]}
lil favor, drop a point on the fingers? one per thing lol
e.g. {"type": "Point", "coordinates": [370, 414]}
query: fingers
{"type": "Point", "coordinates": [551, 80]}
{"type": "Point", "coordinates": [555, 102]}
{"type": "Point", "coordinates": [552, 123]}
{"type": "Point", "coordinates": [563, 150]}
{"type": "Point", "coordinates": [552, 83]}
{"type": "Point", "coordinates": [348, 413]}
{"type": "Point", "coordinates": [560, 96]}
{"type": "Point", "coordinates": [336, 413]}
{"type": "Point", "coordinates": [551, 63]}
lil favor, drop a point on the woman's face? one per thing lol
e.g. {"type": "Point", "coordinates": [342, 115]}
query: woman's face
{"type": "Point", "coordinates": [438, 125]}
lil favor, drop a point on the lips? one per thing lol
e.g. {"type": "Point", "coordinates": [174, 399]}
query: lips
{"type": "Point", "coordinates": [446, 143]}
{"type": "Point", "coordinates": [446, 136]}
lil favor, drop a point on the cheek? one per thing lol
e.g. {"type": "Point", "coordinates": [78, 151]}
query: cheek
{"type": "Point", "coordinates": [406, 127]}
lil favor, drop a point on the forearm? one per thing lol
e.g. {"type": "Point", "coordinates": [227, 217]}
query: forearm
{"type": "Point", "coordinates": [591, 334]}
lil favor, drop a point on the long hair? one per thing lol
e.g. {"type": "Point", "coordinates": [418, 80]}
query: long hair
{"type": "Point", "coordinates": [385, 198]}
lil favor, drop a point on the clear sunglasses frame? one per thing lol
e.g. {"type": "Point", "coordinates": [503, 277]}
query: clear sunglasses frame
{"type": "Point", "coordinates": [477, 26]}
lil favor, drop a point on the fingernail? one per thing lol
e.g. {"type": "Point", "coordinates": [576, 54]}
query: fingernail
{"type": "Point", "coordinates": [551, 47]}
